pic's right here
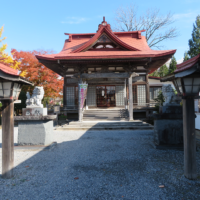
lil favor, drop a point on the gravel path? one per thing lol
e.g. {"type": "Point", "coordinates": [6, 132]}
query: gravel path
{"type": "Point", "coordinates": [100, 165]}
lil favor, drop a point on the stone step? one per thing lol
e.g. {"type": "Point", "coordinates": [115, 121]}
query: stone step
{"type": "Point", "coordinates": [110, 115]}
{"type": "Point", "coordinates": [135, 125]}
{"type": "Point", "coordinates": [125, 123]}
{"type": "Point", "coordinates": [104, 128]}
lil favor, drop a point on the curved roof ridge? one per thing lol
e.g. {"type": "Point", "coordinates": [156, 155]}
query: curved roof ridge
{"type": "Point", "coordinates": [187, 64]}
{"type": "Point", "coordinates": [101, 30]}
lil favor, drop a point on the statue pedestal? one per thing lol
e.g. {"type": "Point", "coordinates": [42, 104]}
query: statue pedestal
{"type": "Point", "coordinates": [34, 111]}
{"type": "Point", "coordinates": [35, 130]}
{"type": "Point", "coordinates": [168, 126]}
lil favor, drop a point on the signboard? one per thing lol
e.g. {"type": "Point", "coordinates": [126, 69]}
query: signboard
{"type": "Point", "coordinates": [83, 93]}
{"type": "Point", "coordinates": [56, 109]}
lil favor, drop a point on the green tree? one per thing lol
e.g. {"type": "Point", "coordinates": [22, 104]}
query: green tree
{"type": "Point", "coordinates": [159, 101]}
{"type": "Point", "coordinates": [155, 73]}
{"type": "Point", "coordinates": [194, 42]}
{"type": "Point", "coordinates": [186, 56]}
{"type": "Point", "coordinates": [172, 65]}
{"type": "Point", "coordinates": [163, 71]}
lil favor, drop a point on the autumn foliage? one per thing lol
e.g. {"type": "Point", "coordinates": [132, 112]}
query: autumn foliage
{"type": "Point", "coordinates": [4, 57]}
{"type": "Point", "coordinates": [38, 73]}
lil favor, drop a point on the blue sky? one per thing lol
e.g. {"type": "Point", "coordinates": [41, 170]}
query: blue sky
{"type": "Point", "coordinates": [41, 24]}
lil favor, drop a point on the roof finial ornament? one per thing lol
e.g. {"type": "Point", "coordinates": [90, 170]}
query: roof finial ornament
{"type": "Point", "coordinates": [103, 19]}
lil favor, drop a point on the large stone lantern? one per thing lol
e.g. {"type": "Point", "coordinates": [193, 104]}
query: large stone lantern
{"type": "Point", "coordinates": [10, 87]}
{"type": "Point", "coordinates": [186, 80]}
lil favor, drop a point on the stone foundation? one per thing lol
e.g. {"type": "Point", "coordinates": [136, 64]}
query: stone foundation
{"type": "Point", "coordinates": [35, 130]}
{"type": "Point", "coordinates": [168, 131]}
{"type": "Point", "coordinates": [168, 126]}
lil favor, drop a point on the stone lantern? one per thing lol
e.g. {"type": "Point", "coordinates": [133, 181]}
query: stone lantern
{"type": "Point", "coordinates": [186, 80]}
{"type": "Point", "coordinates": [10, 87]}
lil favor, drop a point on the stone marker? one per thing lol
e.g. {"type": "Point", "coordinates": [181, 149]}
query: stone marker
{"type": "Point", "coordinates": [35, 127]}
{"type": "Point", "coordinates": [168, 125]}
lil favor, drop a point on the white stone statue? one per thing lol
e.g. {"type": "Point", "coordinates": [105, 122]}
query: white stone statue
{"type": "Point", "coordinates": [170, 97]}
{"type": "Point", "coordinates": [168, 93]}
{"type": "Point", "coordinates": [36, 98]}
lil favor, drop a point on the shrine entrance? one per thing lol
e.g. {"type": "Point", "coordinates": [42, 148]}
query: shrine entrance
{"type": "Point", "coordinates": [105, 96]}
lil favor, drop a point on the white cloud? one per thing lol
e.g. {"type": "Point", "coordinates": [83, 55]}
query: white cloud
{"type": "Point", "coordinates": [179, 61]}
{"type": "Point", "coordinates": [189, 16]}
{"type": "Point", "coordinates": [74, 20]}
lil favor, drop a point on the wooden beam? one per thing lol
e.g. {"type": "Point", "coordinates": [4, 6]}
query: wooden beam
{"type": "Point", "coordinates": [7, 139]}
{"type": "Point", "coordinates": [105, 75]}
{"type": "Point", "coordinates": [189, 136]}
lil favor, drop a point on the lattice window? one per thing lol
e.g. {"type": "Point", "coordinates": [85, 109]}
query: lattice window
{"type": "Point", "coordinates": [70, 92]}
{"type": "Point", "coordinates": [141, 94]}
{"type": "Point", "coordinates": [154, 92]}
{"type": "Point", "coordinates": [91, 96]}
{"type": "Point", "coordinates": [120, 95]}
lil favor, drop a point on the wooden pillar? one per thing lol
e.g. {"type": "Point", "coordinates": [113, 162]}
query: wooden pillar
{"type": "Point", "coordinates": [80, 112]}
{"type": "Point", "coordinates": [125, 95]}
{"type": "Point", "coordinates": [130, 88]}
{"type": "Point", "coordinates": [64, 93]}
{"type": "Point", "coordinates": [7, 139]}
{"type": "Point", "coordinates": [147, 90]}
{"type": "Point", "coordinates": [190, 168]}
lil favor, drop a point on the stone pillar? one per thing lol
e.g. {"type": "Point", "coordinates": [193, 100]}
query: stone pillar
{"type": "Point", "coordinates": [80, 112]}
{"type": "Point", "coordinates": [189, 136]}
{"type": "Point", "coordinates": [130, 88]}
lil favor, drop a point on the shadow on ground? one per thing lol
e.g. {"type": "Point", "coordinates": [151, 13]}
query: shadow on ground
{"type": "Point", "coordinates": [100, 165]}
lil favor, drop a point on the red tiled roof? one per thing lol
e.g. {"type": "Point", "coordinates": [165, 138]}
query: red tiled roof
{"type": "Point", "coordinates": [154, 77]}
{"type": "Point", "coordinates": [105, 29]}
{"type": "Point", "coordinates": [187, 64]}
{"type": "Point", "coordinates": [8, 69]}
{"type": "Point", "coordinates": [136, 45]}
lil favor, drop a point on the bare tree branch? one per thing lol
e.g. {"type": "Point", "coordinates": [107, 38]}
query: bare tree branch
{"type": "Point", "coordinates": [157, 26]}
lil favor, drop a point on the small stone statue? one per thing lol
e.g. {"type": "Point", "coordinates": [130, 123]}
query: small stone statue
{"type": "Point", "coordinates": [170, 97]}
{"type": "Point", "coordinates": [36, 98]}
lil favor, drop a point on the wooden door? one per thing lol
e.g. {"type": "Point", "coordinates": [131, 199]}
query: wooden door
{"type": "Point", "coordinates": [105, 96]}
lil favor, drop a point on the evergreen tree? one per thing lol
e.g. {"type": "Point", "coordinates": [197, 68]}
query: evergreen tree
{"type": "Point", "coordinates": [194, 43]}
{"type": "Point", "coordinates": [155, 73]}
{"type": "Point", "coordinates": [186, 56]}
{"type": "Point", "coordinates": [163, 71]}
{"type": "Point", "coordinates": [172, 65]}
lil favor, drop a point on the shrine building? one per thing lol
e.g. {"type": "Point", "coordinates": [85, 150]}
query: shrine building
{"type": "Point", "coordinates": [115, 65]}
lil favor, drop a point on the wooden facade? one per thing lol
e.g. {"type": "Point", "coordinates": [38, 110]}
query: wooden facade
{"type": "Point", "coordinates": [115, 65]}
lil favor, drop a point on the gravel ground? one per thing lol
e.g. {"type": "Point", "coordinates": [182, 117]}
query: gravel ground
{"type": "Point", "coordinates": [100, 165]}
